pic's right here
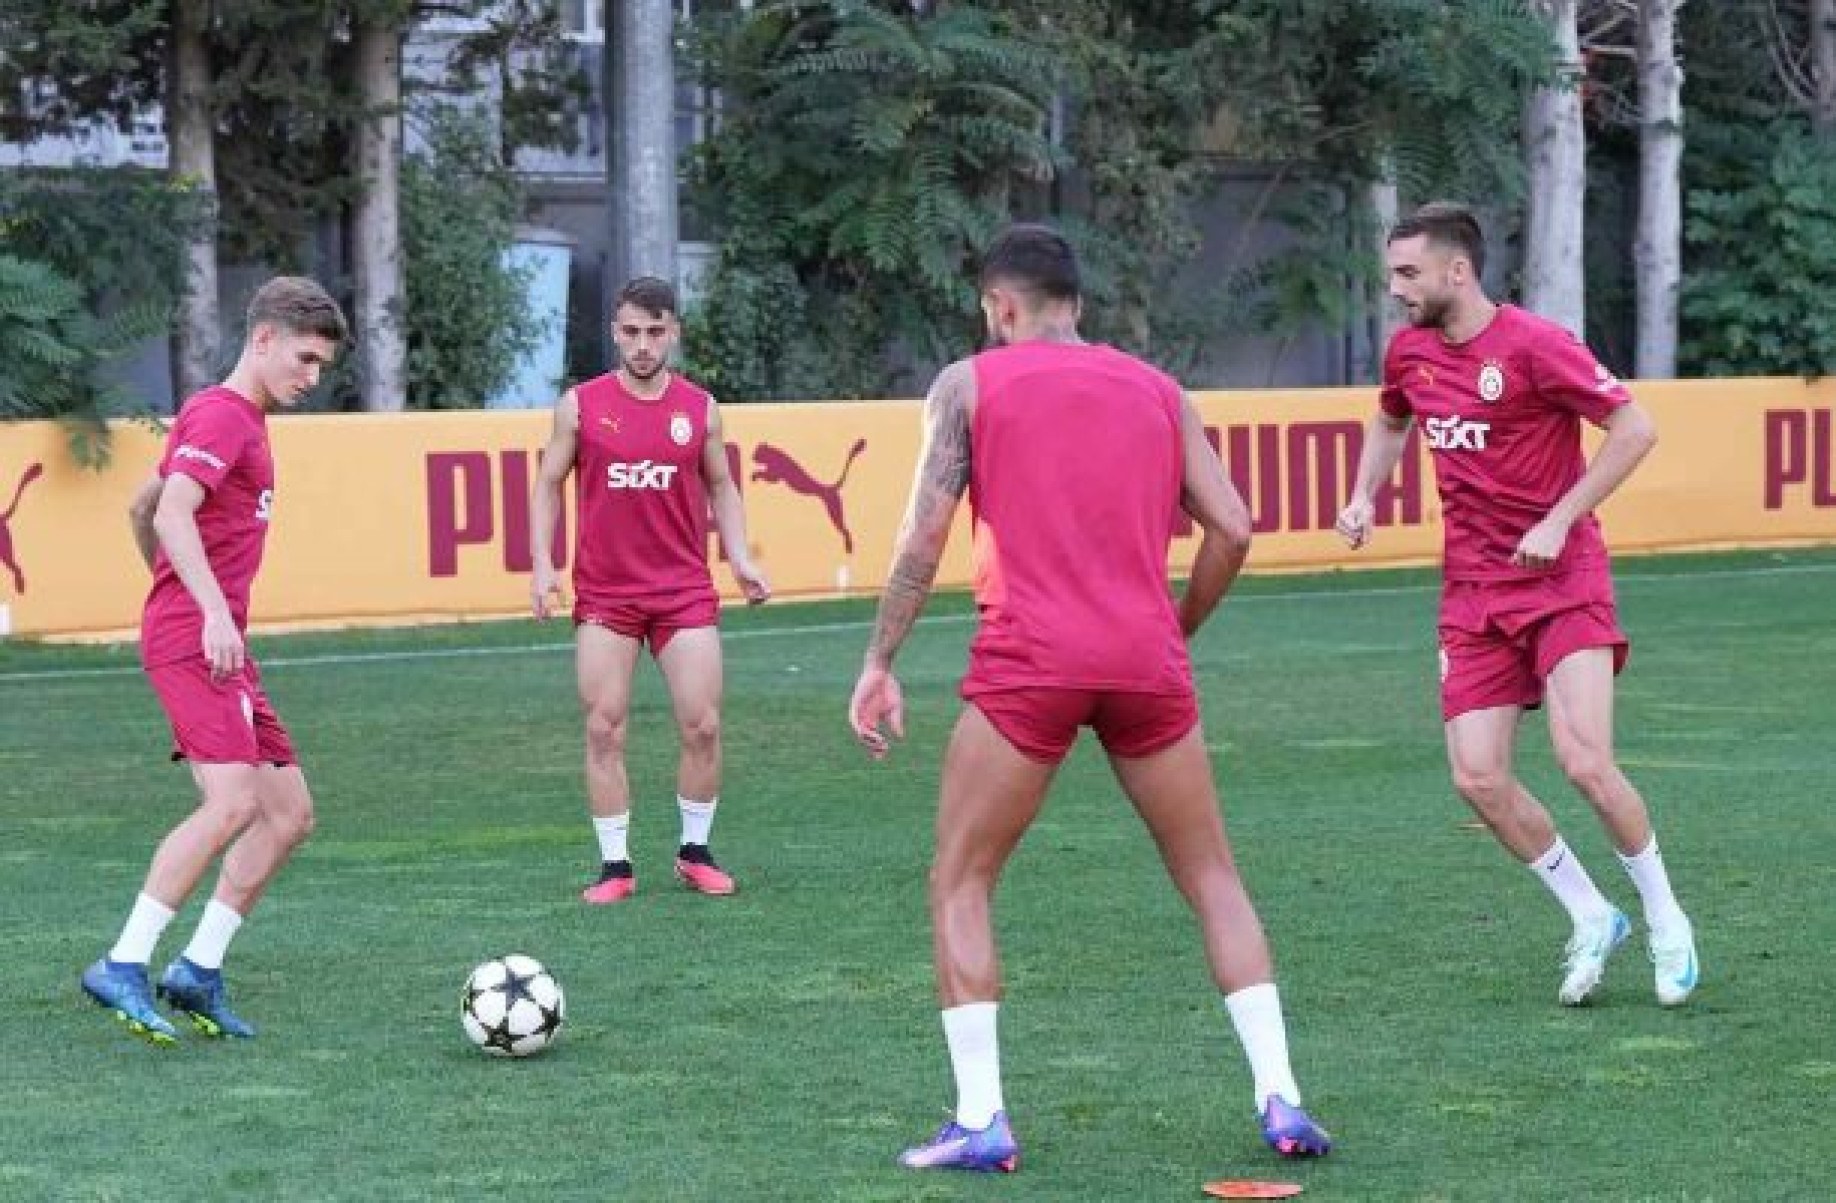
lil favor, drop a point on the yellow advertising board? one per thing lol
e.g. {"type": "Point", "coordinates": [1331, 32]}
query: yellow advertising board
{"type": "Point", "coordinates": [409, 517]}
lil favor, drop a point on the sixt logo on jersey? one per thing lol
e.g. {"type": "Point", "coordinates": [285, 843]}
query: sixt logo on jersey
{"type": "Point", "coordinates": [1456, 434]}
{"type": "Point", "coordinates": [642, 475]}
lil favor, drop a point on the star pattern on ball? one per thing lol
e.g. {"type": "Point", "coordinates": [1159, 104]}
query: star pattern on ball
{"type": "Point", "coordinates": [499, 1037]}
{"type": "Point", "coordinates": [516, 986]}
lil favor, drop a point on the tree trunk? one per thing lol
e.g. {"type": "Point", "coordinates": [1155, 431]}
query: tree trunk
{"type": "Point", "coordinates": [376, 258]}
{"type": "Point", "coordinates": [1658, 253]}
{"type": "Point", "coordinates": [193, 165]}
{"type": "Point", "coordinates": [1823, 65]}
{"type": "Point", "coordinates": [641, 116]}
{"type": "Point", "coordinates": [1556, 148]}
{"type": "Point", "coordinates": [1385, 317]}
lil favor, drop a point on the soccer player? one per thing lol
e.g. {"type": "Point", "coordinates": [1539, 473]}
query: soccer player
{"type": "Point", "coordinates": [201, 522]}
{"type": "Point", "coordinates": [1077, 460]}
{"type": "Point", "coordinates": [1527, 611]}
{"type": "Point", "coordinates": [647, 443]}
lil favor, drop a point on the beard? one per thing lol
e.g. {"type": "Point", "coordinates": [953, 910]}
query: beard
{"type": "Point", "coordinates": [1430, 312]}
{"type": "Point", "coordinates": [646, 374]}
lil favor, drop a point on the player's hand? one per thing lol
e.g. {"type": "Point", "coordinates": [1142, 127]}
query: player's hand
{"type": "Point", "coordinates": [222, 643]}
{"type": "Point", "coordinates": [1354, 525]}
{"type": "Point", "coordinates": [1541, 545]}
{"type": "Point", "coordinates": [545, 593]}
{"type": "Point", "coordinates": [752, 582]}
{"type": "Point", "coordinates": [877, 699]}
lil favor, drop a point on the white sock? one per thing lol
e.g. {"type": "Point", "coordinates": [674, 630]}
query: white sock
{"type": "Point", "coordinates": [1560, 869]}
{"type": "Point", "coordinates": [975, 1058]}
{"type": "Point", "coordinates": [216, 929]}
{"type": "Point", "coordinates": [1647, 872]}
{"type": "Point", "coordinates": [697, 819]}
{"type": "Point", "coordinates": [612, 833]}
{"type": "Point", "coordinates": [145, 924]}
{"type": "Point", "coordinates": [1255, 1011]}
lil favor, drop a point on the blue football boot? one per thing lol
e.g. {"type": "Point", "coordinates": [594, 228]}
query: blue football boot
{"type": "Point", "coordinates": [200, 995]}
{"type": "Point", "coordinates": [122, 987]}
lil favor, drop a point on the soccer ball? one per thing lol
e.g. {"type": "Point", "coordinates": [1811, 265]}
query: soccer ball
{"type": "Point", "coordinates": [512, 1007]}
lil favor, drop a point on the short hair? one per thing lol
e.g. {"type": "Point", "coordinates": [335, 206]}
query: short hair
{"type": "Point", "coordinates": [652, 294]}
{"type": "Point", "coordinates": [1449, 225]}
{"type": "Point", "coordinates": [1035, 258]}
{"type": "Point", "coordinates": [299, 306]}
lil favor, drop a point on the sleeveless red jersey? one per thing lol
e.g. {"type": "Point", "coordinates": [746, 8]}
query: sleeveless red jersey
{"type": "Point", "coordinates": [1076, 471]}
{"type": "Point", "coordinates": [643, 512]}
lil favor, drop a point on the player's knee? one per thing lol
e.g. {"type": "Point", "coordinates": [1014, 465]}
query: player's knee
{"type": "Point", "coordinates": [701, 730]}
{"type": "Point", "coordinates": [1484, 786]}
{"type": "Point", "coordinates": [605, 731]}
{"type": "Point", "coordinates": [298, 822]}
{"type": "Point", "coordinates": [230, 810]}
{"type": "Point", "coordinates": [1588, 764]}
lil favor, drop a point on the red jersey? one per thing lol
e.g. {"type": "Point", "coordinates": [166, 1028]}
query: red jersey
{"type": "Point", "coordinates": [221, 441]}
{"type": "Point", "coordinates": [1077, 466]}
{"type": "Point", "coordinates": [643, 515]}
{"type": "Point", "coordinates": [1502, 413]}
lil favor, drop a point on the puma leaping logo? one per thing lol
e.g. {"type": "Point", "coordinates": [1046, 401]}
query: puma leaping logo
{"type": "Point", "coordinates": [32, 473]}
{"type": "Point", "coordinates": [775, 466]}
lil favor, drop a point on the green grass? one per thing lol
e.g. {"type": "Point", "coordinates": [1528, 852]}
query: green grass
{"type": "Point", "coordinates": [784, 1044]}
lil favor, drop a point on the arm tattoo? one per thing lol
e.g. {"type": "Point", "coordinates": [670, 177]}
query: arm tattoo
{"type": "Point", "coordinates": [943, 475]}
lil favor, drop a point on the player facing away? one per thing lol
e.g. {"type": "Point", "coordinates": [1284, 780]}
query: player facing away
{"type": "Point", "coordinates": [646, 444]}
{"type": "Point", "coordinates": [1077, 628]}
{"type": "Point", "coordinates": [201, 522]}
{"type": "Point", "coordinates": [1527, 611]}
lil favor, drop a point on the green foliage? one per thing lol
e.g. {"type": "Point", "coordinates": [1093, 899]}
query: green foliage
{"type": "Point", "coordinates": [521, 52]}
{"type": "Point", "coordinates": [1444, 87]}
{"type": "Point", "coordinates": [117, 232]}
{"type": "Point", "coordinates": [468, 319]}
{"type": "Point", "coordinates": [1760, 297]}
{"type": "Point", "coordinates": [93, 261]}
{"type": "Point", "coordinates": [106, 56]}
{"type": "Point", "coordinates": [867, 156]}
{"type": "Point", "coordinates": [53, 352]}
{"type": "Point", "coordinates": [1333, 95]}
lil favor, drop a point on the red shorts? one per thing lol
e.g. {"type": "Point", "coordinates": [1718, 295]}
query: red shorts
{"type": "Point", "coordinates": [1500, 639]}
{"type": "Point", "coordinates": [220, 722]}
{"type": "Point", "coordinates": [653, 620]}
{"type": "Point", "coordinates": [1042, 722]}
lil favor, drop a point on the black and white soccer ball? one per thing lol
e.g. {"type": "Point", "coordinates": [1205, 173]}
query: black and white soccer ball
{"type": "Point", "coordinates": [512, 1007]}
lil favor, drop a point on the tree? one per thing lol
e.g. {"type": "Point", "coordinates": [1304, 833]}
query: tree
{"type": "Point", "coordinates": [641, 166]}
{"type": "Point", "coordinates": [53, 352]}
{"type": "Point", "coordinates": [1555, 146]}
{"type": "Point", "coordinates": [1801, 36]}
{"type": "Point", "coordinates": [867, 155]}
{"type": "Point", "coordinates": [376, 216]}
{"type": "Point", "coordinates": [519, 51]}
{"type": "Point", "coordinates": [1659, 246]}
{"type": "Point", "coordinates": [191, 129]}
{"type": "Point", "coordinates": [469, 319]}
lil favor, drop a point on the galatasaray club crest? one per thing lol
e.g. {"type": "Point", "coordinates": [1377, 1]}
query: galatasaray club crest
{"type": "Point", "coordinates": [681, 430]}
{"type": "Point", "coordinates": [1491, 381]}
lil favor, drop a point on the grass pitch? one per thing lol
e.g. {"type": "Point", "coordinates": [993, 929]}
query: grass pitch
{"type": "Point", "coordinates": [784, 1044]}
